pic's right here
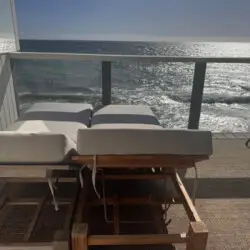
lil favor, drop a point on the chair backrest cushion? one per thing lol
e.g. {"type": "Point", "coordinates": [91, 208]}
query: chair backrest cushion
{"type": "Point", "coordinates": [28, 147]}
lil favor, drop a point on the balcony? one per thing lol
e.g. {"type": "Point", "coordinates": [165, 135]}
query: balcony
{"type": "Point", "coordinates": [223, 196]}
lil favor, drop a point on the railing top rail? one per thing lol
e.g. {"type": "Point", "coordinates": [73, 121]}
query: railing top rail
{"type": "Point", "coordinates": [112, 57]}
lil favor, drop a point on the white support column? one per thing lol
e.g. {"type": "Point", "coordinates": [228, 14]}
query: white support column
{"type": "Point", "coordinates": [14, 23]}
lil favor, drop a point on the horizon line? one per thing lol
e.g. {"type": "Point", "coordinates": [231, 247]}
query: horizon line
{"type": "Point", "coordinates": [148, 39]}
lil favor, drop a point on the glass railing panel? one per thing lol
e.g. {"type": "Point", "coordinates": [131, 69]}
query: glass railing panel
{"type": "Point", "coordinates": [57, 81]}
{"type": "Point", "coordinates": [226, 99]}
{"type": "Point", "coordinates": [165, 87]}
{"type": "Point", "coordinates": [161, 85]}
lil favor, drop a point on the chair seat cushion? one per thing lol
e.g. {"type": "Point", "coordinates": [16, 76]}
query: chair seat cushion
{"type": "Point", "coordinates": [122, 116]}
{"type": "Point", "coordinates": [125, 141]}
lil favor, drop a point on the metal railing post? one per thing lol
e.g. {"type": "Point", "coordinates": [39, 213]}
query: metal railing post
{"type": "Point", "coordinates": [197, 94]}
{"type": "Point", "coordinates": [106, 83]}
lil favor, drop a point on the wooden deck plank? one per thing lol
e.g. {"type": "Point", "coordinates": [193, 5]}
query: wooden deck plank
{"type": "Point", "coordinates": [228, 152]}
{"type": "Point", "coordinates": [223, 196]}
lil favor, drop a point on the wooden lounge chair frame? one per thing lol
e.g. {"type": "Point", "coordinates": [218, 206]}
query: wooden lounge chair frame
{"type": "Point", "coordinates": [195, 238]}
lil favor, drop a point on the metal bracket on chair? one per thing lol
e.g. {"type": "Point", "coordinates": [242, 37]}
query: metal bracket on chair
{"type": "Point", "coordinates": [80, 175]}
{"type": "Point", "coordinates": [104, 200]}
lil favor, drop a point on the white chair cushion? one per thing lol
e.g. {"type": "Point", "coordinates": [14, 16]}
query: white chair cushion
{"type": "Point", "coordinates": [137, 116]}
{"type": "Point", "coordinates": [26, 147]}
{"type": "Point", "coordinates": [60, 118]}
{"type": "Point", "coordinates": [46, 133]}
{"type": "Point", "coordinates": [117, 141]}
{"type": "Point", "coordinates": [69, 112]}
{"type": "Point", "coordinates": [68, 129]}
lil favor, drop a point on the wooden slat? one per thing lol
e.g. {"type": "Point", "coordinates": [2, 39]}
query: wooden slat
{"type": "Point", "coordinates": [34, 219]}
{"type": "Point", "coordinates": [3, 187]}
{"type": "Point", "coordinates": [116, 216]}
{"type": "Point", "coordinates": [147, 239]}
{"type": "Point", "coordinates": [34, 180]}
{"type": "Point", "coordinates": [3, 200]}
{"type": "Point", "coordinates": [187, 202]}
{"type": "Point", "coordinates": [140, 161]}
{"type": "Point", "coordinates": [136, 222]}
{"type": "Point", "coordinates": [79, 237]}
{"type": "Point", "coordinates": [132, 176]}
{"type": "Point", "coordinates": [30, 166]}
{"type": "Point", "coordinates": [3, 195]}
{"type": "Point", "coordinates": [72, 208]}
{"type": "Point", "coordinates": [23, 203]}
{"type": "Point", "coordinates": [135, 201]}
{"type": "Point", "coordinates": [27, 246]}
{"type": "Point", "coordinates": [197, 236]}
{"type": "Point", "coordinates": [26, 172]}
{"type": "Point", "coordinates": [34, 201]}
{"type": "Point", "coordinates": [81, 205]}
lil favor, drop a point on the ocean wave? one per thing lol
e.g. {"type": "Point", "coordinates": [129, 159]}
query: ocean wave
{"type": "Point", "coordinates": [213, 99]}
{"type": "Point", "coordinates": [246, 88]}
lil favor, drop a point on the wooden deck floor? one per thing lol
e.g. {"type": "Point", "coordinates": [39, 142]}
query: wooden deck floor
{"type": "Point", "coordinates": [223, 196]}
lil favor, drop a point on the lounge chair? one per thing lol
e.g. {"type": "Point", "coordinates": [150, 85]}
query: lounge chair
{"type": "Point", "coordinates": [121, 130]}
{"type": "Point", "coordinates": [43, 139]}
{"type": "Point", "coordinates": [130, 137]}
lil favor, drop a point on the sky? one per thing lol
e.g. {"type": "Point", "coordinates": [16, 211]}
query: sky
{"type": "Point", "coordinates": [131, 19]}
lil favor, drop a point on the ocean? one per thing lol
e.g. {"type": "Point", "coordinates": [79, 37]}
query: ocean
{"type": "Point", "coordinates": [166, 87]}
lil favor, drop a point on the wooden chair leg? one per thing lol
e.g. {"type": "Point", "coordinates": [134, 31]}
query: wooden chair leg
{"type": "Point", "coordinates": [197, 236]}
{"type": "Point", "coordinates": [79, 236]}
